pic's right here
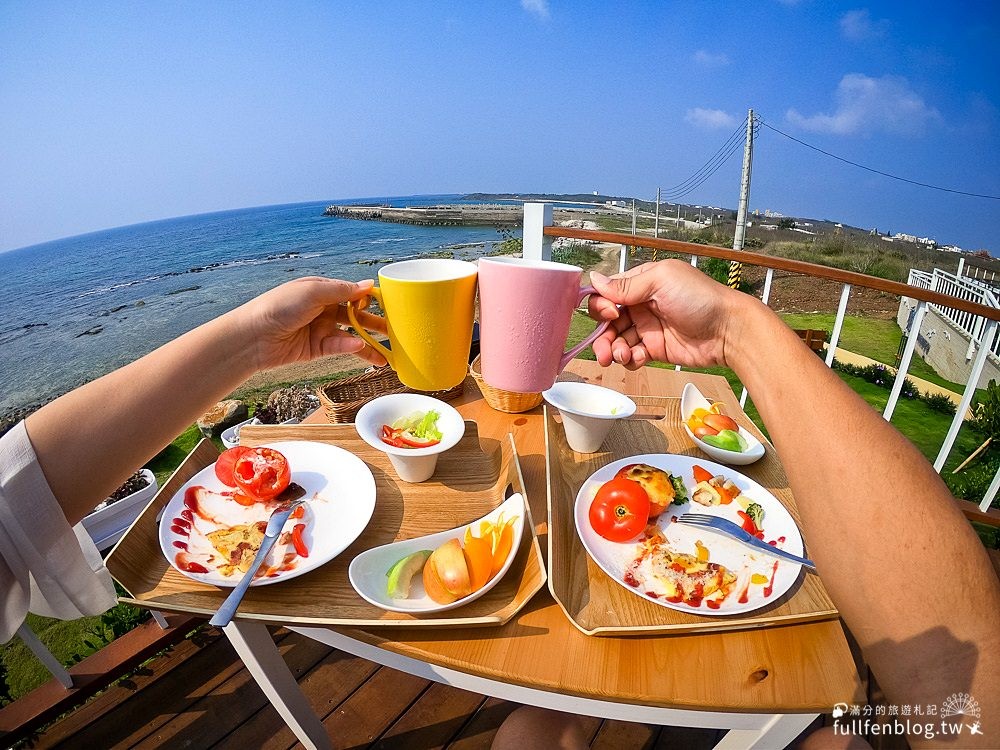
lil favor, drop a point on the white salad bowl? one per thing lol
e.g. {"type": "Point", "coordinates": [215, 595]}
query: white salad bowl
{"type": "Point", "coordinates": [368, 571]}
{"type": "Point", "coordinates": [588, 412]}
{"type": "Point", "coordinates": [411, 464]}
{"type": "Point", "coordinates": [692, 399]}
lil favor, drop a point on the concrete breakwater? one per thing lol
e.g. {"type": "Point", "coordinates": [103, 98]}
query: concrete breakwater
{"type": "Point", "coordinates": [455, 215]}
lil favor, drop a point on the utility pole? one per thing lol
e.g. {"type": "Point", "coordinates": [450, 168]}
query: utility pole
{"type": "Point", "coordinates": [735, 267]}
{"type": "Point", "coordinates": [656, 225]}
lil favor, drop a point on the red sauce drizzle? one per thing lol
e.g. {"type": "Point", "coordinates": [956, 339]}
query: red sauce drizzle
{"type": "Point", "coordinates": [769, 589]}
{"type": "Point", "coordinates": [673, 599]}
{"type": "Point", "coordinates": [180, 545]}
{"type": "Point", "coordinates": [190, 499]}
{"type": "Point", "coordinates": [179, 530]}
{"type": "Point", "coordinates": [182, 522]}
{"type": "Point", "coordinates": [652, 595]}
{"type": "Point", "coordinates": [630, 579]}
{"type": "Point", "coordinates": [713, 603]}
{"type": "Point", "coordinates": [187, 515]}
{"type": "Point", "coordinates": [189, 566]}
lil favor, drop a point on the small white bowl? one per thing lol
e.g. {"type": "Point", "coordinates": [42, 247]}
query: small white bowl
{"type": "Point", "coordinates": [692, 399]}
{"type": "Point", "coordinates": [588, 412]}
{"type": "Point", "coordinates": [411, 464]}
{"type": "Point", "coordinates": [369, 569]}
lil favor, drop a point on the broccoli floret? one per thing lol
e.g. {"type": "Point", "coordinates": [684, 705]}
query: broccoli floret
{"type": "Point", "coordinates": [756, 512]}
{"type": "Point", "coordinates": [680, 491]}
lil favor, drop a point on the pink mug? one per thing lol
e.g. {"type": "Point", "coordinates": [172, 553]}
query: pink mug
{"type": "Point", "coordinates": [525, 308]}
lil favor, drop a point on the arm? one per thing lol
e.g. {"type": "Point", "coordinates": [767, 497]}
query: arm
{"type": "Point", "coordinates": [906, 570]}
{"type": "Point", "coordinates": [90, 439]}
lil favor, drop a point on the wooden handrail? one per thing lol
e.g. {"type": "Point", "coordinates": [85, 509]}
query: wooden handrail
{"type": "Point", "coordinates": [781, 264]}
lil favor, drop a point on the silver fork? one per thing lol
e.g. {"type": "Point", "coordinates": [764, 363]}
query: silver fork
{"type": "Point", "coordinates": [730, 529]}
{"type": "Point", "coordinates": [274, 525]}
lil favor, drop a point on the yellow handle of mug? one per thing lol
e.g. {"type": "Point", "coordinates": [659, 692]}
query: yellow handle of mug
{"type": "Point", "coordinates": [365, 336]}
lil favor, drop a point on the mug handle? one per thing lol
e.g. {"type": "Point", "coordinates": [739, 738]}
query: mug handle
{"type": "Point", "coordinates": [567, 356]}
{"type": "Point", "coordinates": [363, 334]}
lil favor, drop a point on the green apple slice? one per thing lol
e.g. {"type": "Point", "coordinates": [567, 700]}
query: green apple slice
{"type": "Point", "coordinates": [401, 573]}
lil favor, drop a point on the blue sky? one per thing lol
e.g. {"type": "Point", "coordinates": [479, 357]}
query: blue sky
{"type": "Point", "coordinates": [112, 114]}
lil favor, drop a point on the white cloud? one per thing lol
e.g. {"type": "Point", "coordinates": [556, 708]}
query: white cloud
{"type": "Point", "coordinates": [539, 8]}
{"type": "Point", "coordinates": [709, 118]}
{"type": "Point", "coordinates": [711, 59]}
{"type": "Point", "coordinates": [858, 26]}
{"type": "Point", "coordinates": [866, 105]}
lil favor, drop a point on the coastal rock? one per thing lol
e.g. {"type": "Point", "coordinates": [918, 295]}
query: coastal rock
{"type": "Point", "coordinates": [222, 416]}
{"type": "Point", "coordinates": [92, 331]}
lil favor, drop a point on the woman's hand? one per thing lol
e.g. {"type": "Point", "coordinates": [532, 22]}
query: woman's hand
{"type": "Point", "coordinates": [305, 319]}
{"type": "Point", "coordinates": [669, 312]}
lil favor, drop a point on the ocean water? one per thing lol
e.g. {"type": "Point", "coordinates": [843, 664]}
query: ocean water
{"type": "Point", "coordinates": [77, 308]}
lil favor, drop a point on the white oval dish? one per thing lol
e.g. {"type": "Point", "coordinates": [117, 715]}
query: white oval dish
{"type": "Point", "coordinates": [614, 557]}
{"type": "Point", "coordinates": [369, 570]}
{"type": "Point", "coordinates": [588, 412]}
{"type": "Point", "coordinates": [340, 495]}
{"type": "Point", "coordinates": [411, 464]}
{"type": "Point", "coordinates": [692, 399]}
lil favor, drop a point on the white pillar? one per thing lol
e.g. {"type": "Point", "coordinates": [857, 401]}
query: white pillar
{"type": "Point", "coordinates": [537, 246]}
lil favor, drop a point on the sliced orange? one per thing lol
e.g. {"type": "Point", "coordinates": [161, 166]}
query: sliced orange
{"type": "Point", "coordinates": [479, 558]}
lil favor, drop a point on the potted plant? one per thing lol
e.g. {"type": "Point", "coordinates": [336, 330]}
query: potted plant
{"type": "Point", "coordinates": [109, 520]}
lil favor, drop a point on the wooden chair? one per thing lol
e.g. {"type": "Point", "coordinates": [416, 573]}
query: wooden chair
{"type": "Point", "coordinates": [814, 339]}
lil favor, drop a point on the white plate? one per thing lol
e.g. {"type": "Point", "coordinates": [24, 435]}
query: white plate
{"type": "Point", "coordinates": [692, 399]}
{"type": "Point", "coordinates": [615, 557]}
{"type": "Point", "coordinates": [340, 495]}
{"type": "Point", "coordinates": [369, 570]}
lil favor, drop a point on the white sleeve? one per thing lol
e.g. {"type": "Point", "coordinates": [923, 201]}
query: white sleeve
{"type": "Point", "coordinates": [46, 566]}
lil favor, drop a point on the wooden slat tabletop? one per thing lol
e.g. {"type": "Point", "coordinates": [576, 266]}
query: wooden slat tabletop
{"type": "Point", "coordinates": [796, 668]}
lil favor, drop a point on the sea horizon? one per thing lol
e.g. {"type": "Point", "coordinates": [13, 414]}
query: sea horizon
{"type": "Point", "coordinates": [82, 306]}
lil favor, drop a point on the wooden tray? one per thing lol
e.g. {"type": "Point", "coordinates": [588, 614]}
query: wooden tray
{"type": "Point", "coordinates": [595, 603]}
{"type": "Point", "coordinates": [471, 479]}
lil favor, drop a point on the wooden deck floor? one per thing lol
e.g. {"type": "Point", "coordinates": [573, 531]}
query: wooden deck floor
{"type": "Point", "coordinates": [198, 695]}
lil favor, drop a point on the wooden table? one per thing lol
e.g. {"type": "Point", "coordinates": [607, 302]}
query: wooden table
{"type": "Point", "coordinates": [764, 685]}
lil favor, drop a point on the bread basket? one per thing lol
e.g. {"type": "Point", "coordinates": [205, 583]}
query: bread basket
{"type": "Point", "coordinates": [510, 402]}
{"type": "Point", "coordinates": [341, 399]}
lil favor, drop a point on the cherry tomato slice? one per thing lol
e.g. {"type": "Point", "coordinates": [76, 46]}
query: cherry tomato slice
{"type": "Point", "coordinates": [225, 462]}
{"type": "Point", "coordinates": [261, 473]}
{"type": "Point", "coordinates": [620, 510]}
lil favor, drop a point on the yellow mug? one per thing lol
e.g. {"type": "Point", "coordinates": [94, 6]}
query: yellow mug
{"type": "Point", "coordinates": [429, 309]}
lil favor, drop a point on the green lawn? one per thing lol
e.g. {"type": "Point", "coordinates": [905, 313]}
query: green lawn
{"type": "Point", "coordinates": [923, 427]}
{"type": "Point", "coordinates": [870, 337]}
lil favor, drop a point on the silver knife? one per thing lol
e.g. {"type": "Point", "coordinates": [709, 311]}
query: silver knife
{"type": "Point", "coordinates": [274, 526]}
{"type": "Point", "coordinates": [730, 529]}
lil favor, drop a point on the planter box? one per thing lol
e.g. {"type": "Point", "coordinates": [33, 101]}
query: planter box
{"type": "Point", "coordinates": [231, 436]}
{"type": "Point", "coordinates": [106, 525]}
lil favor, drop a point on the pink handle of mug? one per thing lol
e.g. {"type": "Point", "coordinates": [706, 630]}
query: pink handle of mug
{"type": "Point", "coordinates": [567, 356]}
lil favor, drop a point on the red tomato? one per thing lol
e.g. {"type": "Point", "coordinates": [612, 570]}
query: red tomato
{"type": "Point", "coordinates": [262, 473]}
{"type": "Point", "coordinates": [224, 464]}
{"type": "Point", "coordinates": [620, 510]}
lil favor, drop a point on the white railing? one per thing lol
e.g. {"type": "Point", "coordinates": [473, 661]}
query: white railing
{"type": "Point", "coordinates": [961, 287]}
{"type": "Point", "coordinates": [538, 234]}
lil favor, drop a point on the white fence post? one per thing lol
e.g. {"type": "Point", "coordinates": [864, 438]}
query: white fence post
{"type": "Point", "coordinates": [838, 324]}
{"type": "Point", "coordinates": [537, 246]}
{"type": "Point", "coordinates": [904, 364]}
{"type": "Point", "coordinates": [970, 390]}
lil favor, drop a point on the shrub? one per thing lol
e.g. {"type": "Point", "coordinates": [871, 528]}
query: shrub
{"type": "Point", "coordinates": [577, 255]}
{"type": "Point", "coordinates": [939, 402]}
{"type": "Point", "coordinates": [987, 415]}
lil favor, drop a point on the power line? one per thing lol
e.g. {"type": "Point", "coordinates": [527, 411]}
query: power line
{"type": "Point", "coordinates": [709, 168]}
{"type": "Point", "coordinates": [876, 171]}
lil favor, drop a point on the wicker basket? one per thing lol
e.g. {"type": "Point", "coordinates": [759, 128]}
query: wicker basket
{"type": "Point", "coordinates": [342, 398]}
{"type": "Point", "coordinates": [506, 401]}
